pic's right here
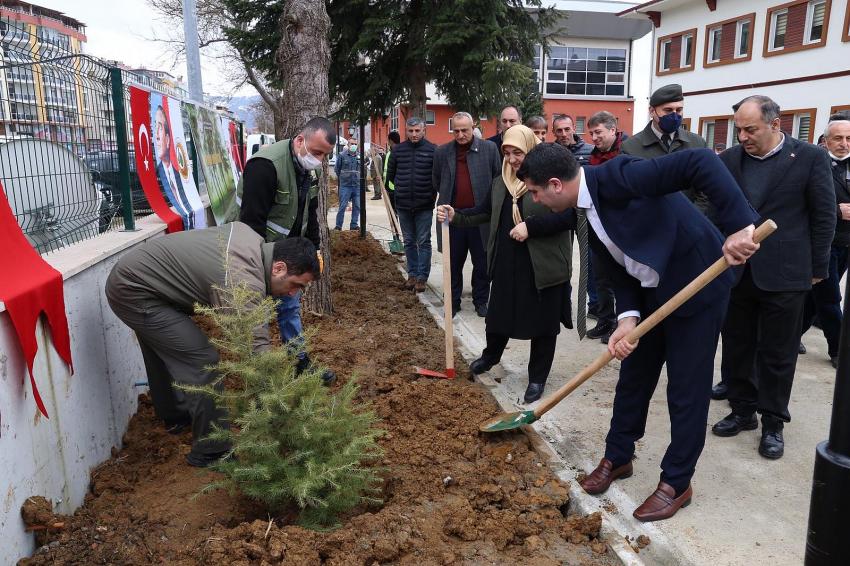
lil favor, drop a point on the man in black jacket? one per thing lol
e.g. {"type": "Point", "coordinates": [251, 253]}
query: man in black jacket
{"type": "Point", "coordinates": [788, 181]}
{"type": "Point", "coordinates": [464, 170]}
{"type": "Point", "coordinates": [825, 298]}
{"type": "Point", "coordinates": [409, 170]}
{"type": "Point", "coordinates": [510, 116]}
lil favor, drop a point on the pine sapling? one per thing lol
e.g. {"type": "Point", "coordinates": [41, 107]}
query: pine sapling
{"type": "Point", "coordinates": [293, 439]}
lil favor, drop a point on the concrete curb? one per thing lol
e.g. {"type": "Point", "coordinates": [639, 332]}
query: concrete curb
{"type": "Point", "coordinates": [615, 527]}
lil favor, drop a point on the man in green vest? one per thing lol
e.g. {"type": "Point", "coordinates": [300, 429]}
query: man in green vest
{"type": "Point", "coordinates": [278, 198]}
{"type": "Point", "coordinates": [392, 140]}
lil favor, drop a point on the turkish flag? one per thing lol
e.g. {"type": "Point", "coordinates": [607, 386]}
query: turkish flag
{"type": "Point", "coordinates": [140, 107]}
{"type": "Point", "coordinates": [29, 286]}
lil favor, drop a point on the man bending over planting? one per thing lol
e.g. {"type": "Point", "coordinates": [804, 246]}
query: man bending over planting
{"type": "Point", "coordinates": [153, 290]}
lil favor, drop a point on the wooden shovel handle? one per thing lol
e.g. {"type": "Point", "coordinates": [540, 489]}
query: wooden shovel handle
{"type": "Point", "coordinates": [447, 300]}
{"type": "Point", "coordinates": [650, 322]}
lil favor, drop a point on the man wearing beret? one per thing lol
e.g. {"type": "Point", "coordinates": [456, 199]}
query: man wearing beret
{"type": "Point", "coordinates": [664, 134]}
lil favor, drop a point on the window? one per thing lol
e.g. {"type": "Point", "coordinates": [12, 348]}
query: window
{"type": "Point", "coordinates": [579, 125]}
{"type": "Point", "coordinates": [586, 71]}
{"type": "Point", "coordinates": [717, 130]}
{"type": "Point", "coordinates": [676, 52]}
{"type": "Point", "coordinates": [430, 118]}
{"type": "Point", "coordinates": [714, 37]}
{"type": "Point", "coordinates": [536, 62]}
{"type": "Point", "coordinates": [687, 50]}
{"type": "Point", "coordinates": [778, 27]}
{"type": "Point", "coordinates": [845, 36]}
{"type": "Point", "coordinates": [799, 123]}
{"type": "Point", "coordinates": [666, 52]}
{"type": "Point", "coordinates": [686, 123]}
{"type": "Point", "coordinates": [729, 41]}
{"type": "Point", "coordinates": [815, 13]}
{"type": "Point", "coordinates": [394, 119]}
{"type": "Point", "coordinates": [801, 24]}
{"type": "Point", "coordinates": [742, 44]}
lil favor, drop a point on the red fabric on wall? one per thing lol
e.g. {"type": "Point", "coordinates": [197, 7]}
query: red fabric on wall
{"type": "Point", "coordinates": [28, 287]}
{"type": "Point", "coordinates": [140, 106]}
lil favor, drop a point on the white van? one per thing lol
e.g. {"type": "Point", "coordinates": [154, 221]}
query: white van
{"type": "Point", "coordinates": [257, 141]}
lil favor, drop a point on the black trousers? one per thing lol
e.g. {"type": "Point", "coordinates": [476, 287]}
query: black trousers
{"type": "Point", "coordinates": [468, 241]}
{"type": "Point", "coordinates": [539, 360]}
{"type": "Point", "coordinates": [176, 350]}
{"type": "Point", "coordinates": [604, 293]}
{"type": "Point", "coordinates": [761, 337]}
{"type": "Point", "coordinates": [687, 345]}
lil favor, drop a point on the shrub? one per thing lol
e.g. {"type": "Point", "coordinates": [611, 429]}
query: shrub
{"type": "Point", "coordinates": [293, 440]}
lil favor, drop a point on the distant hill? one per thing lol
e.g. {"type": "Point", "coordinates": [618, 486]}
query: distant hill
{"type": "Point", "coordinates": [239, 105]}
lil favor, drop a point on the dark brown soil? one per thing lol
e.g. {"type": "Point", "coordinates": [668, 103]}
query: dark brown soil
{"type": "Point", "coordinates": [451, 494]}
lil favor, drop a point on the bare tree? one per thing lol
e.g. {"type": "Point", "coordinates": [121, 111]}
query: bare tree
{"type": "Point", "coordinates": [303, 59]}
{"type": "Point", "coordinates": [263, 116]}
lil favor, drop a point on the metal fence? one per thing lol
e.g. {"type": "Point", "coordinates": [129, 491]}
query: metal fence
{"type": "Point", "coordinates": [66, 164]}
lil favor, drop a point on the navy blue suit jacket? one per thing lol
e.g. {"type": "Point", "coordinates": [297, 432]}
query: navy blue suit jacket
{"type": "Point", "coordinates": [645, 215]}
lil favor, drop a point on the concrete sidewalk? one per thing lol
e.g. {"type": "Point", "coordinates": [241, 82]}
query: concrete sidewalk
{"type": "Point", "coordinates": [745, 510]}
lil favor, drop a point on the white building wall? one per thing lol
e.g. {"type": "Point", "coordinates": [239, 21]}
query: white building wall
{"type": "Point", "coordinates": [820, 94]}
{"type": "Point", "coordinates": [89, 410]}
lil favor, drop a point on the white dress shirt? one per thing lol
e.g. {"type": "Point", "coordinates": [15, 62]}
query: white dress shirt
{"type": "Point", "coordinates": [647, 276]}
{"type": "Point", "coordinates": [770, 153]}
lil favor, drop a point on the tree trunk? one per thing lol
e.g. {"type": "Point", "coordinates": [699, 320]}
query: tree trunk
{"type": "Point", "coordinates": [304, 59]}
{"type": "Point", "coordinates": [418, 98]}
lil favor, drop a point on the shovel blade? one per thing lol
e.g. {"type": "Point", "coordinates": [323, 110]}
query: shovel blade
{"type": "Point", "coordinates": [508, 421]}
{"type": "Point", "coordinates": [432, 373]}
{"type": "Point", "coordinates": [396, 247]}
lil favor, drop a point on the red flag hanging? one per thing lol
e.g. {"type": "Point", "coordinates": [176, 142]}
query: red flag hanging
{"type": "Point", "coordinates": [145, 164]}
{"type": "Point", "coordinates": [28, 287]}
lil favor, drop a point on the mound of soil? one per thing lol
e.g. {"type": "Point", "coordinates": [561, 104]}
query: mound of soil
{"type": "Point", "coordinates": [451, 494]}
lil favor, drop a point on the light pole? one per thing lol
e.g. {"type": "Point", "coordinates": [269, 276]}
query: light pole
{"type": "Point", "coordinates": [829, 511]}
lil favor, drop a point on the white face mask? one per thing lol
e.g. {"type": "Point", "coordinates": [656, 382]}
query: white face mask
{"type": "Point", "coordinates": [309, 161]}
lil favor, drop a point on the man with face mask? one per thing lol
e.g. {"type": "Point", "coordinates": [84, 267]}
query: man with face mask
{"type": "Point", "coordinates": [665, 134]}
{"type": "Point", "coordinates": [278, 196]}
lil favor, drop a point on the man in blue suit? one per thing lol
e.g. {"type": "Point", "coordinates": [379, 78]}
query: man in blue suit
{"type": "Point", "coordinates": [652, 242]}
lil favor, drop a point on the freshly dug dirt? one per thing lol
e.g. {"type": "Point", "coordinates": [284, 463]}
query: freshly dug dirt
{"type": "Point", "coordinates": [451, 494]}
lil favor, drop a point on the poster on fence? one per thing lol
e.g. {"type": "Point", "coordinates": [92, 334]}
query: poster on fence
{"type": "Point", "coordinates": [212, 141]}
{"type": "Point", "coordinates": [140, 108]}
{"type": "Point", "coordinates": [172, 161]}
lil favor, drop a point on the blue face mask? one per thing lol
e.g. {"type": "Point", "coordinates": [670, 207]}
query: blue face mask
{"type": "Point", "coordinates": [669, 123]}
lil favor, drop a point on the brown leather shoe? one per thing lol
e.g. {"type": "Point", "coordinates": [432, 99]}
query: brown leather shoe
{"type": "Point", "coordinates": [409, 284]}
{"type": "Point", "coordinates": [600, 479]}
{"type": "Point", "coordinates": [663, 504]}
{"type": "Point", "coordinates": [420, 286]}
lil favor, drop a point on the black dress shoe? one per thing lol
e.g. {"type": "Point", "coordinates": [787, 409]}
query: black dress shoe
{"type": "Point", "coordinates": [480, 366]}
{"type": "Point", "coordinates": [455, 310]}
{"type": "Point", "coordinates": [772, 445]}
{"type": "Point", "coordinates": [720, 391]}
{"type": "Point", "coordinates": [204, 460]}
{"type": "Point", "coordinates": [533, 392]}
{"type": "Point", "coordinates": [802, 348]}
{"type": "Point", "coordinates": [834, 361]}
{"type": "Point", "coordinates": [733, 423]}
{"type": "Point", "coordinates": [377, 197]}
{"type": "Point", "coordinates": [602, 329]}
{"type": "Point", "coordinates": [481, 310]}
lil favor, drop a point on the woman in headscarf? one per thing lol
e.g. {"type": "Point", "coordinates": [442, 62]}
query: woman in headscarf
{"type": "Point", "coordinates": [528, 260]}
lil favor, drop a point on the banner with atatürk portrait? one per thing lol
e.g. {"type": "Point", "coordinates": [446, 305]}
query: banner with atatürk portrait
{"type": "Point", "coordinates": [212, 144]}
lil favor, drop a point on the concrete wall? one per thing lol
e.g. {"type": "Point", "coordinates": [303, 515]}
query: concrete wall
{"type": "Point", "coordinates": [88, 410]}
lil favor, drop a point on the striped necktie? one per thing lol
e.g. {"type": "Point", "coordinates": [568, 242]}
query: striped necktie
{"type": "Point", "coordinates": [584, 258]}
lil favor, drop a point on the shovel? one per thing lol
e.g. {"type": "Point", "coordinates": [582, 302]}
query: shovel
{"type": "Point", "coordinates": [447, 312]}
{"type": "Point", "coordinates": [507, 421]}
{"type": "Point", "coordinates": [396, 247]}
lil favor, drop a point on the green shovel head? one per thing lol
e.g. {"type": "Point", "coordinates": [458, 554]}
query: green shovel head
{"type": "Point", "coordinates": [396, 247]}
{"type": "Point", "coordinates": [508, 421]}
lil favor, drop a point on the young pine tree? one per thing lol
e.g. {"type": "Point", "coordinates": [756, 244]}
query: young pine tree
{"type": "Point", "coordinates": [293, 439]}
